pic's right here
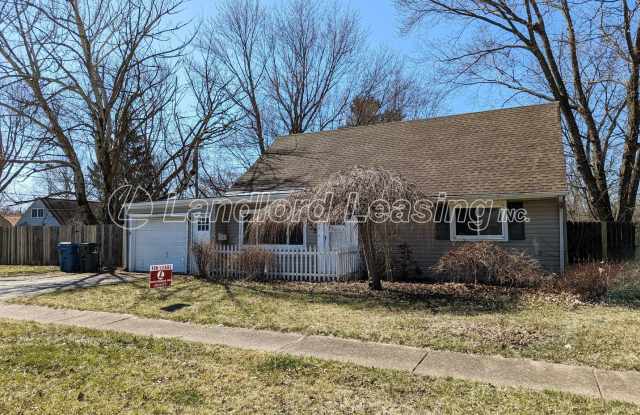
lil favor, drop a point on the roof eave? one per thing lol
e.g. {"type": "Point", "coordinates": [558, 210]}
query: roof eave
{"type": "Point", "coordinates": [509, 196]}
{"type": "Point", "coordinates": [228, 197]}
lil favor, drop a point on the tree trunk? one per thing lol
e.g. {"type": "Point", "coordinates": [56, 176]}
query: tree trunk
{"type": "Point", "coordinates": [365, 231]}
{"type": "Point", "coordinates": [374, 282]}
{"type": "Point", "coordinates": [81, 197]}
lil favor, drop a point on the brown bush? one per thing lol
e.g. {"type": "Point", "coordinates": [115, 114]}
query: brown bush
{"type": "Point", "coordinates": [254, 262]}
{"type": "Point", "coordinates": [205, 256]}
{"type": "Point", "coordinates": [487, 262]}
{"type": "Point", "coordinates": [590, 281]}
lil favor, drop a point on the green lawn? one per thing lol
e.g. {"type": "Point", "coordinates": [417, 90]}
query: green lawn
{"type": "Point", "coordinates": [18, 270]}
{"type": "Point", "coordinates": [441, 316]}
{"type": "Point", "coordinates": [49, 369]}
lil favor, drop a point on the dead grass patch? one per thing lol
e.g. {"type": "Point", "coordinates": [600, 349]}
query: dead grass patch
{"type": "Point", "coordinates": [479, 319]}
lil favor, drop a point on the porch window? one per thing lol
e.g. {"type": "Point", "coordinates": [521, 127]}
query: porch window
{"type": "Point", "coordinates": [479, 223]}
{"type": "Point", "coordinates": [296, 234]}
{"type": "Point", "coordinates": [246, 226]}
{"type": "Point", "coordinates": [292, 235]}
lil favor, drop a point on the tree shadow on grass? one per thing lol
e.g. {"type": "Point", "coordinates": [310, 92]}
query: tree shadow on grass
{"type": "Point", "coordinates": [183, 291]}
{"type": "Point", "coordinates": [431, 298]}
{"type": "Point", "coordinates": [233, 297]}
{"type": "Point", "coordinates": [192, 290]}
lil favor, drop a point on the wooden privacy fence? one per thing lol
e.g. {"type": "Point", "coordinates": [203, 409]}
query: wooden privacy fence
{"type": "Point", "coordinates": [37, 245]}
{"type": "Point", "coordinates": [586, 242]}
{"type": "Point", "coordinates": [293, 265]}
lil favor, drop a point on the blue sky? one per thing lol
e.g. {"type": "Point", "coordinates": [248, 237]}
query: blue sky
{"type": "Point", "coordinates": [378, 17]}
{"type": "Point", "coordinates": [381, 21]}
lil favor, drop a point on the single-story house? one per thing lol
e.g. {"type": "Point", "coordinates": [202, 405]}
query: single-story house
{"type": "Point", "coordinates": [49, 211]}
{"type": "Point", "coordinates": [512, 157]}
{"type": "Point", "coordinates": [9, 220]}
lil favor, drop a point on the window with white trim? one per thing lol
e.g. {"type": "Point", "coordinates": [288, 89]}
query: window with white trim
{"type": "Point", "coordinates": [37, 213]}
{"type": "Point", "coordinates": [479, 223]}
{"type": "Point", "coordinates": [203, 224]}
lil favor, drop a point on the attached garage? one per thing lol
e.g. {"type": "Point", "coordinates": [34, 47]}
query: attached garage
{"type": "Point", "coordinates": [159, 242]}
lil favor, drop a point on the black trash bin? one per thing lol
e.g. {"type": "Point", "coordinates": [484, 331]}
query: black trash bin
{"type": "Point", "coordinates": [68, 257]}
{"type": "Point", "coordinates": [89, 257]}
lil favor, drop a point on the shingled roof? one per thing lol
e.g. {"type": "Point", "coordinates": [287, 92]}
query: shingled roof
{"type": "Point", "coordinates": [66, 211]}
{"type": "Point", "coordinates": [9, 219]}
{"type": "Point", "coordinates": [506, 151]}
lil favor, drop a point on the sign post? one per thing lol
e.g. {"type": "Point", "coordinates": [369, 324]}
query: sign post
{"type": "Point", "coordinates": [160, 276]}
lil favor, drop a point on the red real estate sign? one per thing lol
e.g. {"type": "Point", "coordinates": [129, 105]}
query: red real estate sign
{"type": "Point", "coordinates": [160, 276]}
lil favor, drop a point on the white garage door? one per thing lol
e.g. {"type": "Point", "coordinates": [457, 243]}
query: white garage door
{"type": "Point", "coordinates": [160, 242]}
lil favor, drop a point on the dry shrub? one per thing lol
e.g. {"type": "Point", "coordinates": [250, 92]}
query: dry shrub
{"type": "Point", "coordinates": [205, 256]}
{"type": "Point", "coordinates": [591, 281]}
{"type": "Point", "coordinates": [626, 287]}
{"type": "Point", "coordinates": [489, 263]}
{"type": "Point", "coordinates": [254, 262]}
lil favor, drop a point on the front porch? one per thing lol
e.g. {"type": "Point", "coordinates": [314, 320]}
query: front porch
{"type": "Point", "coordinates": [166, 232]}
{"type": "Point", "coordinates": [319, 252]}
{"type": "Point", "coordinates": [309, 264]}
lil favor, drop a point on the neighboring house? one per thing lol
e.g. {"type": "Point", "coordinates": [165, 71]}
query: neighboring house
{"type": "Point", "coordinates": [512, 157]}
{"type": "Point", "coordinates": [9, 220]}
{"type": "Point", "coordinates": [49, 211]}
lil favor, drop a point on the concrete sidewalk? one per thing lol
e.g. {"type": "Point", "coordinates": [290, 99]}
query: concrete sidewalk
{"type": "Point", "coordinates": [499, 371]}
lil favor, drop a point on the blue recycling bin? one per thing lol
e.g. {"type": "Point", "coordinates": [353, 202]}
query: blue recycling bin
{"type": "Point", "coordinates": [68, 257]}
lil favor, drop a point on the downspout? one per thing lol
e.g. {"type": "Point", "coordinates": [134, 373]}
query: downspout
{"type": "Point", "coordinates": [125, 240]}
{"type": "Point", "coordinates": [189, 242]}
{"type": "Point", "coordinates": [563, 234]}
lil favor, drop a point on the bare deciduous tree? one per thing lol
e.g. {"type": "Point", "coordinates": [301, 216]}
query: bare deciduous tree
{"type": "Point", "coordinates": [314, 52]}
{"type": "Point", "coordinates": [287, 70]}
{"type": "Point", "coordinates": [236, 40]}
{"type": "Point", "coordinates": [15, 149]}
{"type": "Point", "coordinates": [168, 143]}
{"type": "Point", "coordinates": [388, 91]}
{"type": "Point", "coordinates": [59, 182]}
{"type": "Point", "coordinates": [584, 55]}
{"type": "Point", "coordinates": [87, 64]}
{"type": "Point", "coordinates": [185, 133]}
{"type": "Point", "coordinates": [216, 179]}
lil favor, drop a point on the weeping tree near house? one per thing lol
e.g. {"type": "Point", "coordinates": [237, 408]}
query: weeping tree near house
{"type": "Point", "coordinates": [369, 196]}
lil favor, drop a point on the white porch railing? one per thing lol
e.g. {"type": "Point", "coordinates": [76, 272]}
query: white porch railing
{"type": "Point", "coordinates": [308, 265]}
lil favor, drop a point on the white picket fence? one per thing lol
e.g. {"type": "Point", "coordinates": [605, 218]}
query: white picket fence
{"type": "Point", "coordinates": [293, 265]}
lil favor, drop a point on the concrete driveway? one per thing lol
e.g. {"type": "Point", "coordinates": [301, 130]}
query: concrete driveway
{"type": "Point", "coordinates": [11, 287]}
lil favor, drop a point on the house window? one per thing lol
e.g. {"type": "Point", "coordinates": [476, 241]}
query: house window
{"type": "Point", "coordinates": [479, 223]}
{"type": "Point", "coordinates": [203, 224]}
{"type": "Point", "coordinates": [37, 213]}
{"type": "Point", "coordinates": [296, 234]}
{"type": "Point", "coordinates": [246, 229]}
{"type": "Point", "coordinates": [291, 235]}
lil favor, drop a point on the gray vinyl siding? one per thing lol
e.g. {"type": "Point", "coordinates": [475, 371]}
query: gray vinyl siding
{"type": "Point", "coordinates": [542, 233]}
{"type": "Point", "coordinates": [542, 237]}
